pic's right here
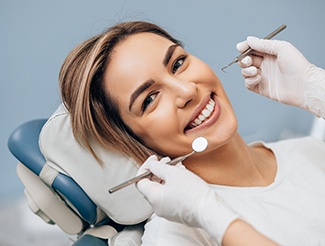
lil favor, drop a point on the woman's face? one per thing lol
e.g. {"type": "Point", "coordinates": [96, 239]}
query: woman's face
{"type": "Point", "coordinates": [167, 96]}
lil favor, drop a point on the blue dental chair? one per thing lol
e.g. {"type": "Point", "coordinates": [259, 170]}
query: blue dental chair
{"type": "Point", "coordinates": [23, 144]}
{"type": "Point", "coordinates": [63, 201]}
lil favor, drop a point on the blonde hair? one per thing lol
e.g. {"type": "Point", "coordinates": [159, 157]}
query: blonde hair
{"type": "Point", "coordinates": [94, 114]}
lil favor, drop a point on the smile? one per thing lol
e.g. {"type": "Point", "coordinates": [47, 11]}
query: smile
{"type": "Point", "coordinates": [203, 115]}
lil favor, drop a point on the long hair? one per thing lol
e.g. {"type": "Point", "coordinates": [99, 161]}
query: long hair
{"type": "Point", "coordinates": [94, 114]}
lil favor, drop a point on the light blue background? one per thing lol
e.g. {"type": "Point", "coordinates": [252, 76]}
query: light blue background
{"type": "Point", "coordinates": [37, 35]}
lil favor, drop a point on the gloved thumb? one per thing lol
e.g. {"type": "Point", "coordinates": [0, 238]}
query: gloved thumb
{"type": "Point", "coordinates": [271, 47]}
{"type": "Point", "coordinates": [148, 188]}
{"type": "Point", "coordinates": [152, 188]}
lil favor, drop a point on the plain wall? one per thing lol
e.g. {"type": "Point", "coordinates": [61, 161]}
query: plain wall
{"type": "Point", "coordinates": [37, 35]}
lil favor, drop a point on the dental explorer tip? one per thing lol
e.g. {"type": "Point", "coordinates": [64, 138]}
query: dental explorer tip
{"type": "Point", "coordinates": [234, 61]}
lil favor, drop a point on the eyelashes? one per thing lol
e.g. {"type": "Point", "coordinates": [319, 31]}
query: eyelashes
{"type": "Point", "coordinates": [148, 100]}
{"type": "Point", "coordinates": [178, 63]}
{"type": "Point", "coordinates": [152, 96]}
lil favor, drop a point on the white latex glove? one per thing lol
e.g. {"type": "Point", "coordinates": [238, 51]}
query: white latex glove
{"type": "Point", "coordinates": [184, 197]}
{"type": "Point", "coordinates": [279, 71]}
{"type": "Point", "coordinates": [129, 236]}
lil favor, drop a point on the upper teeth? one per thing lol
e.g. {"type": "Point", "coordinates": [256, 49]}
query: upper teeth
{"type": "Point", "coordinates": [206, 112]}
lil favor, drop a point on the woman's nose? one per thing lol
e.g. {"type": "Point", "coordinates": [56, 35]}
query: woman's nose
{"type": "Point", "coordinates": [185, 92]}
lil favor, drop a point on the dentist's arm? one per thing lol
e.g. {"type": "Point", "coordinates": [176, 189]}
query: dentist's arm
{"type": "Point", "coordinates": [183, 197]}
{"type": "Point", "coordinates": [279, 71]}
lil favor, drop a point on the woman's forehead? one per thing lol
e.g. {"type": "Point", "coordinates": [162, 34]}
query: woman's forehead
{"type": "Point", "coordinates": [137, 54]}
{"type": "Point", "coordinates": [142, 44]}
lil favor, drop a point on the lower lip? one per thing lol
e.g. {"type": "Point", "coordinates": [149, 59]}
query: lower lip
{"type": "Point", "coordinates": [211, 120]}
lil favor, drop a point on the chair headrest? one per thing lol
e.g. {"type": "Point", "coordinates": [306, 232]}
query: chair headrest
{"type": "Point", "coordinates": [62, 152]}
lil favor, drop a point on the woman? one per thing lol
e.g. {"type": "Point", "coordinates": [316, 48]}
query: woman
{"type": "Point", "coordinates": [136, 90]}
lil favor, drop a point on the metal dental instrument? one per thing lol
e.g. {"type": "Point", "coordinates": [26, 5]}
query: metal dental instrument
{"type": "Point", "coordinates": [199, 144]}
{"type": "Point", "coordinates": [250, 50]}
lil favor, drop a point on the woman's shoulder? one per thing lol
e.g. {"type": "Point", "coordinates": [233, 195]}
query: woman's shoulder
{"type": "Point", "coordinates": [299, 144]}
{"type": "Point", "coordinates": [299, 150]}
{"type": "Point", "coordinates": [305, 147]}
{"type": "Point", "coordinates": [159, 231]}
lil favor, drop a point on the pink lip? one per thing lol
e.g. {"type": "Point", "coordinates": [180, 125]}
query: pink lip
{"type": "Point", "coordinates": [211, 120]}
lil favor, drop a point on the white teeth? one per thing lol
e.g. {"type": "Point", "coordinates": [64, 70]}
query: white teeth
{"type": "Point", "coordinates": [197, 121]}
{"type": "Point", "coordinates": [210, 107]}
{"type": "Point", "coordinates": [206, 112]}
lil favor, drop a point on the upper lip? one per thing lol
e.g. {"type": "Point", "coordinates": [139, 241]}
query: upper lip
{"type": "Point", "coordinates": [198, 109]}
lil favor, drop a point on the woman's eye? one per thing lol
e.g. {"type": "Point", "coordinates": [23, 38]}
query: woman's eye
{"type": "Point", "coordinates": [148, 101]}
{"type": "Point", "coordinates": [178, 63]}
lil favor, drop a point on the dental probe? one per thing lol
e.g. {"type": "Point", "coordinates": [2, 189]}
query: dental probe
{"type": "Point", "coordinates": [250, 50]}
{"type": "Point", "coordinates": [198, 145]}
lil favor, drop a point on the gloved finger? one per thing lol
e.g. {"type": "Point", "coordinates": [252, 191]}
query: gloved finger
{"type": "Point", "coordinates": [245, 62]}
{"type": "Point", "coordinates": [146, 165]}
{"type": "Point", "coordinates": [161, 169]}
{"type": "Point", "coordinates": [256, 61]}
{"type": "Point", "coordinates": [180, 165]}
{"type": "Point", "coordinates": [242, 46]}
{"type": "Point", "coordinates": [162, 162]}
{"type": "Point", "coordinates": [249, 72]}
{"type": "Point", "coordinates": [252, 60]}
{"type": "Point", "coordinates": [252, 83]}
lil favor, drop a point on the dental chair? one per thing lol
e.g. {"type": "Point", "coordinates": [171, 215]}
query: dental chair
{"type": "Point", "coordinates": [65, 185]}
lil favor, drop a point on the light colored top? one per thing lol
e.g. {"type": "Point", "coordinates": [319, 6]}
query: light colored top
{"type": "Point", "coordinates": [291, 210]}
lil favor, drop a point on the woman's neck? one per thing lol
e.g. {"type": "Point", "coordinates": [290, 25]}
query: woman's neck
{"type": "Point", "coordinates": [235, 164]}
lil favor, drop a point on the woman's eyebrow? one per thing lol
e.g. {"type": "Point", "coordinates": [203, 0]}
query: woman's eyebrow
{"type": "Point", "coordinates": [139, 90]}
{"type": "Point", "coordinates": [169, 54]}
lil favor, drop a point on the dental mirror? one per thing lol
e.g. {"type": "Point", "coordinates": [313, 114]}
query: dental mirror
{"type": "Point", "coordinates": [198, 145]}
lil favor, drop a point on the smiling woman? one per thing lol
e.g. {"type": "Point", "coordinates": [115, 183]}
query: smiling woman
{"type": "Point", "coordinates": [136, 90]}
{"type": "Point", "coordinates": [95, 115]}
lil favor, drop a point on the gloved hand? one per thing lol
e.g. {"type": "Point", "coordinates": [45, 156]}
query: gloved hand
{"type": "Point", "coordinates": [279, 71]}
{"type": "Point", "coordinates": [129, 236]}
{"type": "Point", "coordinates": [181, 196]}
